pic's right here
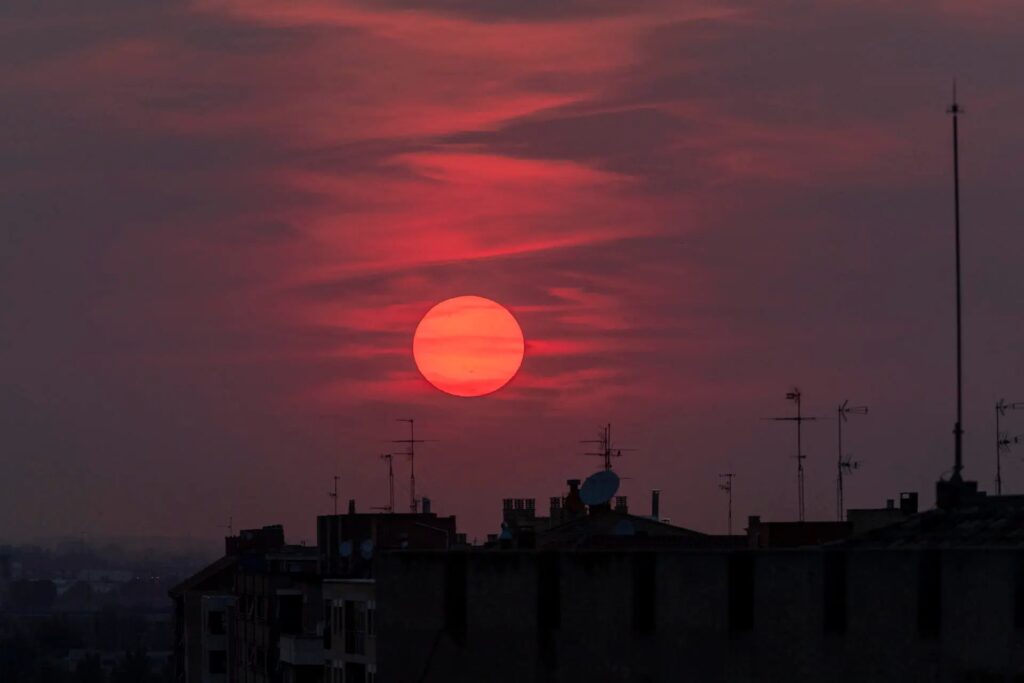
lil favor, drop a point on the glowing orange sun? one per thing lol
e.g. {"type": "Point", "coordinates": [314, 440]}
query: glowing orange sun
{"type": "Point", "coordinates": [468, 346]}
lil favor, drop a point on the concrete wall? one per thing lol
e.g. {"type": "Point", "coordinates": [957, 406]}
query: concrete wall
{"type": "Point", "coordinates": [910, 615]}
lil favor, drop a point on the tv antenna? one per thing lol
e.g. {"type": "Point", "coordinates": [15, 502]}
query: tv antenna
{"type": "Point", "coordinates": [845, 464]}
{"type": "Point", "coordinates": [387, 457]}
{"type": "Point", "coordinates": [726, 486]}
{"type": "Point", "coordinates": [231, 526]}
{"type": "Point", "coordinates": [334, 494]}
{"type": "Point", "coordinates": [1003, 441]}
{"type": "Point", "coordinates": [799, 419]}
{"type": "Point", "coordinates": [411, 452]}
{"type": "Point", "coordinates": [958, 432]}
{"type": "Point", "coordinates": [605, 449]}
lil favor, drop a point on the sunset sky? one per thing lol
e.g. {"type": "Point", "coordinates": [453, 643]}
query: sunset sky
{"type": "Point", "coordinates": [222, 220]}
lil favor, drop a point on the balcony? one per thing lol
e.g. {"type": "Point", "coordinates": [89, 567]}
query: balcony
{"type": "Point", "coordinates": [302, 650]}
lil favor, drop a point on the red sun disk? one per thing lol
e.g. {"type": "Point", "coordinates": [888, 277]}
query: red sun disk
{"type": "Point", "coordinates": [468, 346]}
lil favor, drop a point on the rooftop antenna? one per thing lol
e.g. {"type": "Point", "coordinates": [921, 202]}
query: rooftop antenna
{"type": "Point", "coordinates": [411, 452]}
{"type": "Point", "coordinates": [727, 487]}
{"type": "Point", "coordinates": [800, 457]}
{"type": "Point", "coordinates": [958, 432]}
{"type": "Point", "coordinates": [1003, 440]}
{"type": "Point", "coordinates": [845, 463]}
{"type": "Point", "coordinates": [387, 457]}
{"type": "Point", "coordinates": [231, 526]}
{"type": "Point", "coordinates": [604, 442]}
{"type": "Point", "coordinates": [334, 494]}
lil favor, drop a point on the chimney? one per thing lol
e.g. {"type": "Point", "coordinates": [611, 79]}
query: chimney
{"type": "Point", "coordinates": [426, 505]}
{"type": "Point", "coordinates": [908, 502]}
{"type": "Point", "coordinates": [351, 506]}
{"type": "Point", "coordinates": [622, 504]}
{"type": "Point", "coordinates": [573, 504]}
{"type": "Point", "coordinates": [555, 505]}
{"type": "Point", "coordinates": [656, 504]}
{"type": "Point", "coordinates": [890, 504]}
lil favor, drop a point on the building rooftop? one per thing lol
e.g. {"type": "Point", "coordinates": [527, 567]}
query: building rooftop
{"type": "Point", "coordinates": [980, 522]}
{"type": "Point", "coordinates": [611, 529]}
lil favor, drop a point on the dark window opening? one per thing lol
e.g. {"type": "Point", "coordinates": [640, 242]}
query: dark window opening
{"type": "Point", "coordinates": [355, 672]}
{"type": "Point", "coordinates": [455, 596]}
{"type": "Point", "coordinates": [289, 608]}
{"type": "Point", "coordinates": [1018, 597]}
{"type": "Point", "coordinates": [549, 607]}
{"type": "Point", "coordinates": [215, 622]}
{"type": "Point", "coordinates": [644, 592]}
{"type": "Point", "coordinates": [218, 662]}
{"type": "Point", "coordinates": [355, 627]}
{"type": "Point", "coordinates": [741, 592]}
{"type": "Point", "coordinates": [835, 601]}
{"type": "Point", "coordinates": [929, 593]}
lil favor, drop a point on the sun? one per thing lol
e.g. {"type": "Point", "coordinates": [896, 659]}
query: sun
{"type": "Point", "coordinates": [468, 346]}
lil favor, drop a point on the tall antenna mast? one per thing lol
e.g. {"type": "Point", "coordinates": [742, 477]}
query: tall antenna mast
{"type": "Point", "coordinates": [727, 487]}
{"type": "Point", "coordinates": [387, 457]}
{"type": "Point", "coordinates": [604, 441]}
{"type": "Point", "coordinates": [958, 431]}
{"type": "Point", "coordinates": [1003, 441]}
{"type": "Point", "coordinates": [844, 464]}
{"type": "Point", "coordinates": [334, 494]}
{"type": "Point", "coordinates": [800, 457]}
{"type": "Point", "coordinates": [411, 452]}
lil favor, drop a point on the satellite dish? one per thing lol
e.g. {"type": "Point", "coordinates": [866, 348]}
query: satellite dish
{"type": "Point", "coordinates": [366, 549]}
{"type": "Point", "coordinates": [346, 549]}
{"type": "Point", "coordinates": [599, 488]}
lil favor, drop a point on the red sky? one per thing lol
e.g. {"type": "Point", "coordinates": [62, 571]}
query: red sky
{"type": "Point", "coordinates": [223, 219]}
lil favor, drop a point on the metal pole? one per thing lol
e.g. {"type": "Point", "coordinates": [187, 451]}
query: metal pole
{"type": "Point", "coordinates": [999, 455]}
{"type": "Point", "coordinates": [730, 506]}
{"type": "Point", "coordinates": [799, 459]}
{"type": "Point", "coordinates": [391, 484]}
{"type": "Point", "coordinates": [839, 468]}
{"type": "Point", "coordinates": [958, 431]}
{"type": "Point", "coordinates": [412, 466]}
{"type": "Point", "coordinates": [727, 487]}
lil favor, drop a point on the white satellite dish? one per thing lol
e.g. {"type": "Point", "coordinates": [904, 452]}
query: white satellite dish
{"type": "Point", "coordinates": [366, 549]}
{"type": "Point", "coordinates": [599, 488]}
{"type": "Point", "coordinates": [345, 550]}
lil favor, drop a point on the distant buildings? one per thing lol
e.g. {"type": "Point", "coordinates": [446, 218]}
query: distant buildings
{"type": "Point", "coordinates": [272, 612]}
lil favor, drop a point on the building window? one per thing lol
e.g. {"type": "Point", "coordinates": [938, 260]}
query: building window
{"type": "Point", "coordinates": [215, 622]}
{"type": "Point", "coordinates": [834, 613]}
{"type": "Point", "coordinates": [455, 606]}
{"type": "Point", "coordinates": [337, 620]}
{"type": "Point", "coordinates": [644, 592]}
{"type": "Point", "coordinates": [355, 672]}
{"type": "Point", "coordinates": [549, 591]}
{"type": "Point", "coordinates": [355, 628]}
{"type": "Point", "coordinates": [741, 591]}
{"type": "Point", "coordinates": [929, 593]}
{"type": "Point", "coordinates": [1018, 602]}
{"type": "Point", "coordinates": [218, 663]}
